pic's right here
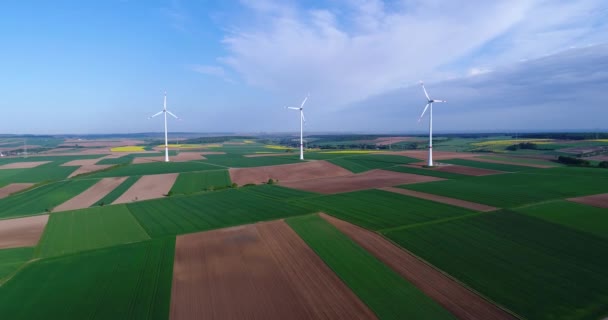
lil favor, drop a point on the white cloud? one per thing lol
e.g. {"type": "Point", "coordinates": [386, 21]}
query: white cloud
{"type": "Point", "coordinates": [215, 71]}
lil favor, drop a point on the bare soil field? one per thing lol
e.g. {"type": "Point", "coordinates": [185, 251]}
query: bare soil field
{"type": "Point", "coordinates": [523, 164]}
{"type": "Point", "coordinates": [100, 143]}
{"type": "Point", "coordinates": [287, 172]}
{"type": "Point", "coordinates": [597, 200]}
{"type": "Point", "coordinates": [442, 199]}
{"type": "Point", "coordinates": [148, 187]}
{"type": "Point", "coordinates": [460, 301]}
{"type": "Point", "coordinates": [93, 194]}
{"type": "Point", "coordinates": [353, 182]}
{"type": "Point", "coordinates": [437, 155]}
{"type": "Point", "coordinates": [89, 169]}
{"type": "Point", "coordinates": [180, 157]}
{"type": "Point", "coordinates": [12, 188]}
{"type": "Point", "coordinates": [23, 165]}
{"type": "Point", "coordinates": [452, 168]}
{"type": "Point", "coordinates": [22, 232]}
{"type": "Point", "coordinates": [598, 158]}
{"type": "Point", "coordinates": [384, 141]}
{"type": "Point", "coordinates": [260, 271]}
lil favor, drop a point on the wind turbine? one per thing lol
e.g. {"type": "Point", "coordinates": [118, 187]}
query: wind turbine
{"type": "Point", "coordinates": [165, 111]}
{"type": "Point", "coordinates": [302, 121]}
{"type": "Point", "coordinates": [429, 103]}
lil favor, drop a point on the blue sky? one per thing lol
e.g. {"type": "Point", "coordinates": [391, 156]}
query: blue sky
{"type": "Point", "coordinates": [102, 66]}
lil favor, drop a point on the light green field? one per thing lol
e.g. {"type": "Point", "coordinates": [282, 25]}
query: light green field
{"type": "Point", "coordinates": [192, 182]}
{"type": "Point", "coordinates": [126, 282]}
{"type": "Point", "coordinates": [385, 292]}
{"type": "Point", "coordinates": [87, 229]}
{"type": "Point", "coordinates": [41, 199]}
{"type": "Point", "coordinates": [362, 163]}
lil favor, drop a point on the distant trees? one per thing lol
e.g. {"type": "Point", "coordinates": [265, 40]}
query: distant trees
{"type": "Point", "coordinates": [571, 161]}
{"type": "Point", "coordinates": [523, 145]}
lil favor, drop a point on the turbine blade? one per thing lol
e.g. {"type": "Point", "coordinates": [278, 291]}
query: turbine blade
{"type": "Point", "coordinates": [292, 108]}
{"type": "Point", "coordinates": [160, 112]}
{"type": "Point", "coordinates": [422, 115]}
{"type": "Point", "coordinates": [303, 117]}
{"type": "Point", "coordinates": [174, 116]}
{"type": "Point", "coordinates": [439, 101]}
{"type": "Point", "coordinates": [425, 93]}
{"type": "Point", "coordinates": [303, 102]}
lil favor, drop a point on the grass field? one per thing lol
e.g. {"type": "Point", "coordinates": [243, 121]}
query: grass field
{"type": "Point", "coordinates": [207, 211]}
{"type": "Point", "coordinates": [516, 189]}
{"type": "Point", "coordinates": [276, 192]}
{"type": "Point", "coordinates": [574, 215]}
{"type": "Point", "coordinates": [514, 260]}
{"type": "Point", "coordinates": [12, 259]}
{"type": "Point", "coordinates": [239, 161]}
{"type": "Point", "coordinates": [487, 165]}
{"type": "Point", "coordinates": [428, 172]}
{"type": "Point", "coordinates": [154, 168]}
{"type": "Point", "coordinates": [87, 229]}
{"type": "Point", "coordinates": [385, 292]}
{"type": "Point", "coordinates": [523, 160]}
{"type": "Point", "coordinates": [191, 182]}
{"type": "Point", "coordinates": [127, 282]}
{"type": "Point", "coordinates": [377, 209]}
{"type": "Point", "coordinates": [362, 163]}
{"type": "Point", "coordinates": [56, 160]}
{"type": "Point", "coordinates": [118, 191]}
{"type": "Point", "coordinates": [43, 198]}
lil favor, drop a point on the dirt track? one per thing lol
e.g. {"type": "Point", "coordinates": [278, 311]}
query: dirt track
{"type": "Point", "coordinates": [93, 194]}
{"type": "Point", "coordinates": [457, 299]}
{"type": "Point", "coordinates": [261, 271]}
{"type": "Point", "coordinates": [148, 187]}
{"type": "Point", "coordinates": [12, 188]}
{"type": "Point", "coordinates": [287, 172]}
{"type": "Point", "coordinates": [353, 182]}
{"type": "Point", "coordinates": [22, 232]}
{"type": "Point", "coordinates": [446, 200]}
{"type": "Point", "coordinates": [597, 200]}
{"type": "Point", "coordinates": [23, 165]}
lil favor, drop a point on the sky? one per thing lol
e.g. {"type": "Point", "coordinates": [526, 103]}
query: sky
{"type": "Point", "coordinates": [232, 66]}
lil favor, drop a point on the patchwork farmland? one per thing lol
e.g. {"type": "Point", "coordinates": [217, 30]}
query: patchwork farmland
{"type": "Point", "coordinates": [242, 228]}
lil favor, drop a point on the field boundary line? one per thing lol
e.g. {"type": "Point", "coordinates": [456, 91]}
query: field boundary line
{"type": "Point", "coordinates": [437, 221]}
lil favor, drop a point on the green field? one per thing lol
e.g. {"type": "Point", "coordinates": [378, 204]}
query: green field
{"type": "Point", "coordinates": [87, 229]}
{"type": "Point", "coordinates": [574, 215]}
{"type": "Point", "coordinates": [487, 165]}
{"type": "Point", "coordinates": [118, 191]}
{"type": "Point", "coordinates": [240, 161]}
{"type": "Point", "coordinates": [377, 209]}
{"type": "Point", "coordinates": [45, 172]}
{"type": "Point", "coordinates": [192, 182]}
{"type": "Point", "coordinates": [428, 172]}
{"type": "Point", "coordinates": [41, 199]}
{"type": "Point", "coordinates": [385, 292]}
{"type": "Point", "coordinates": [514, 260]}
{"type": "Point", "coordinates": [276, 192]}
{"type": "Point", "coordinates": [12, 259]}
{"type": "Point", "coordinates": [153, 168]}
{"type": "Point", "coordinates": [523, 160]}
{"type": "Point", "coordinates": [362, 163]}
{"type": "Point", "coordinates": [516, 189]}
{"type": "Point", "coordinates": [56, 160]}
{"type": "Point", "coordinates": [127, 282]}
{"type": "Point", "coordinates": [205, 211]}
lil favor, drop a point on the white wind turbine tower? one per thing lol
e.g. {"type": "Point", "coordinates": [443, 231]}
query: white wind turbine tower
{"type": "Point", "coordinates": [429, 103]}
{"type": "Point", "coordinates": [165, 111]}
{"type": "Point", "coordinates": [302, 121]}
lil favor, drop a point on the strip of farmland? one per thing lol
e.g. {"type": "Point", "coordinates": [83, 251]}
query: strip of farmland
{"type": "Point", "coordinates": [93, 194]}
{"type": "Point", "coordinates": [288, 172]}
{"type": "Point", "coordinates": [13, 188]}
{"type": "Point", "coordinates": [362, 163]}
{"type": "Point", "coordinates": [22, 232]}
{"type": "Point", "coordinates": [118, 191]}
{"type": "Point", "coordinates": [488, 165]}
{"type": "Point", "coordinates": [127, 282]}
{"type": "Point", "coordinates": [396, 298]}
{"type": "Point", "coordinates": [596, 200]}
{"type": "Point", "coordinates": [191, 182]}
{"type": "Point", "coordinates": [459, 300]}
{"type": "Point", "coordinates": [446, 200]}
{"type": "Point", "coordinates": [537, 269]}
{"type": "Point", "coordinates": [12, 259]}
{"type": "Point", "coordinates": [256, 271]}
{"type": "Point", "coordinates": [148, 187]}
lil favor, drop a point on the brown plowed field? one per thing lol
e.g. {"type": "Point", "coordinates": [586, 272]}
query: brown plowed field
{"type": "Point", "coordinates": [148, 187]}
{"type": "Point", "coordinates": [22, 232]}
{"type": "Point", "coordinates": [532, 165]}
{"type": "Point", "coordinates": [598, 200]}
{"type": "Point", "coordinates": [180, 157]}
{"type": "Point", "coordinates": [446, 200]}
{"type": "Point", "coordinates": [93, 194]}
{"type": "Point", "coordinates": [287, 172]}
{"type": "Point", "coordinates": [261, 271]}
{"type": "Point", "coordinates": [23, 165]}
{"type": "Point", "coordinates": [12, 188]}
{"type": "Point", "coordinates": [437, 155]}
{"type": "Point", "coordinates": [353, 182]}
{"type": "Point", "coordinates": [460, 301]}
{"type": "Point", "coordinates": [468, 171]}
{"type": "Point", "coordinates": [88, 169]}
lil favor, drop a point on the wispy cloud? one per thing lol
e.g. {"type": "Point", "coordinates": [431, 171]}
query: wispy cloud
{"type": "Point", "coordinates": [210, 70]}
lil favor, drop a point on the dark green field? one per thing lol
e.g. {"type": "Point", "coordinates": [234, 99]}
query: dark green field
{"type": "Point", "coordinates": [362, 163]}
{"type": "Point", "coordinates": [240, 161]}
{"type": "Point", "coordinates": [377, 209]}
{"type": "Point", "coordinates": [428, 172]}
{"type": "Point", "coordinates": [208, 211]}
{"type": "Point", "coordinates": [385, 292]}
{"type": "Point", "coordinates": [537, 269]}
{"type": "Point", "coordinates": [153, 168]}
{"type": "Point", "coordinates": [41, 199]}
{"type": "Point", "coordinates": [87, 229]}
{"type": "Point", "coordinates": [126, 282]}
{"type": "Point", "coordinates": [487, 165]}
{"type": "Point", "coordinates": [12, 259]}
{"type": "Point", "coordinates": [276, 192]}
{"type": "Point", "coordinates": [192, 182]}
